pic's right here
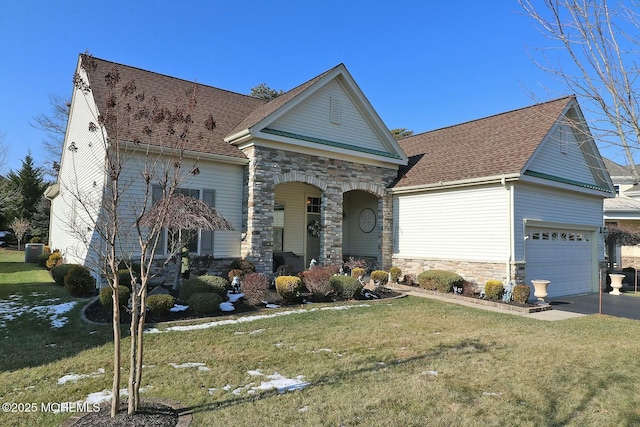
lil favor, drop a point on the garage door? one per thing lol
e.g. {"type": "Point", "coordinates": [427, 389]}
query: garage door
{"type": "Point", "coordinates": [562, 256]}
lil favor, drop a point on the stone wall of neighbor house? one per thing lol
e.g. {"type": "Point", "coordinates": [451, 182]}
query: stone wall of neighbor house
{"type": "Point", "coordinates": [269, 167]}
{"type": "Point", "coordinates": [473, 271]}
{"type": "Point", "coordinates": [630, 261]}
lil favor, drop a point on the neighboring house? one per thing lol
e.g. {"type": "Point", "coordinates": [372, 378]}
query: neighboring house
{"type": "Point", "coordinates": [518, 195]}
{"type": "Point", "coordinates": [623, 211]}
{"type": "Point", "coordinates": [316, 174]}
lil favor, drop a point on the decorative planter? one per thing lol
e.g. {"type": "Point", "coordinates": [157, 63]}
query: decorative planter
{"type": "Point", "coordinates": [616, 283]}
{"type": "Point", "coordinates": [540, 290]}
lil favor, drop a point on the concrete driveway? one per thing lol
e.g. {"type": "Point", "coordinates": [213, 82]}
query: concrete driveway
{"type": "Point", "coordinates": [625, 306]}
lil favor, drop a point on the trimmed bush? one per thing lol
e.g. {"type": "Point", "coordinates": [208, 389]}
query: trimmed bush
{"type": "Point", "coordinates": [357, 272]}
{"type": "Point", "coordinates": [106, 297]}
{"type": "Point", "coordinates": [124, 278]}
{"type": "Point", "coordinates": [288, 287]}
{"type": "Point", "coordinates": [316, 280]}
{"type": "Point", "coordinates": [194, 286]}
{"type": "Point", "coordinates": [205, 303]}
{"type": "Point", "coordinates": [53, 260]}
{"type": "Point", "coordinates": [218, 284]}
{"type": "Point", "coordinates": [345, 287]}
{"type": "Point", "coordinates": [409, 280]}
{"type": "Point", "coordinates": [493, 289]}
{"type": "Point", "coordinates": [380, 276]}
{"type": "Point", "coordinates": [440, 280]}
{"type": "Point", "coordinates": [59, 271]}
{"type": "Point", "coordinates": [160, 305]}
{"type": "Point", "coordinates": [78, 281]}
{"type": "Point", "coordinates": [395, 273]}
{"type": "Point", "coordinates": [244, 265]}
{"type": "Point", "coordinates": [521, 293]}
{"type": "Point", "coordinates": [43, 258]}
{"type": "Point", "coordinates": [255, 287]}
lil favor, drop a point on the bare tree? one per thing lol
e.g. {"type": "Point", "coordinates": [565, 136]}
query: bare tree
{"type": "Point", "coordinates": [54, 125]}
{"type": "Point", "coordinates": [143, 145]}
{"type": "Point", "coordinates": [20, 226]}
{"type": "Point", "coordinates": [594, 50]}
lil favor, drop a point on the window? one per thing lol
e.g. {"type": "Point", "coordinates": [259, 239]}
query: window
{"type": "Point", "coordinates": [313, 204]}
{"type": "Point", "coordinates": [278, 227]}
{"type": "Point", "coordinates": [195, 238]}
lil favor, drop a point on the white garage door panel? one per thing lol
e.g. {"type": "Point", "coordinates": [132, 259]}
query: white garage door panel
{"type": "Point", "coordinates": [561, 256]}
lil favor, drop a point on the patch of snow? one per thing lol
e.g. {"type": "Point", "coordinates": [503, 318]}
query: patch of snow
{"type": "Point", "coordinates": [178, 307]}
{"type": "Point", "coordinates": [234, 297]}
{"type": "Point", "coordinates": [488, 393]}
{"type": "Point", "coordinates": [226, 306]}
{"type": "Point", "coordinates": [322, 350]}
{"type": "Point", "coordinates": [303, 409]}
{"type": "Point", "coordinates": [103, 396]}
{"type": "Point", "coordinates": [272, 305]}
{"type": "Point", "coordinates": [281, 384]}
{"type": "Point", "coordinates": [434, 373]}
{"type": "Point", "coordinates": [76, 377]}
{"type": "Point", "coordinates": [247, 319]}
{"type": "Point", "coordinates": [201, 366]}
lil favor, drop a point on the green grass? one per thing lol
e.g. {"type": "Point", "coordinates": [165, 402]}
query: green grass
{"type": "Point", "coordinates": [409, 362]}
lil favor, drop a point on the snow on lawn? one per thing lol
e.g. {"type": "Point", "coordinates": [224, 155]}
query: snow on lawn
{"type": "Point", "coordinates": [246, 319]}
{"type": "Point", "coordinates": [274, 381]}
{"type": "Point", "coordinates": [15, 306]}
{"type": "Point", "coordinates": [105, 395]}
{"type": "Point", "coordinates": [76, 377]}
{"type": "Point", "coordinates": [201, 366]}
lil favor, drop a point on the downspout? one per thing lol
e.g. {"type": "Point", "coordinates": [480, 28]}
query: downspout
{"type": "Point", "coordinates": [510, 236]}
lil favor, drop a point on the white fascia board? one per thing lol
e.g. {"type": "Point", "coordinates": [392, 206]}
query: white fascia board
{"type": "Point", "coordinates": [496, 179]}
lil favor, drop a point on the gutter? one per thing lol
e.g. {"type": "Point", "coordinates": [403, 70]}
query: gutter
{"type": "Point", "coordinates": [494, 179]}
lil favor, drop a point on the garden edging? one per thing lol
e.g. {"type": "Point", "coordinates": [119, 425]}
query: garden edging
{"type": "Point", "coordinates": [469, 300]}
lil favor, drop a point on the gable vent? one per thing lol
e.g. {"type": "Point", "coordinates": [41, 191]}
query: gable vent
{"type": "Point", "coordinates": [334, 111]}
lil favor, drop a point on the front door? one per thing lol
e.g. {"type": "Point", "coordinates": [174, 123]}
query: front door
{"type": "Point", "coordinates": [313, 229]}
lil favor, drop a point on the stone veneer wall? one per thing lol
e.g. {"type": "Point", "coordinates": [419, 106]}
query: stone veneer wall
{"type": "Point", "coordinates": [474, 271]}
{"type": "Point", "coordinates": [630, 261]}
{"type": "Point", "coordinates": [269, 167]}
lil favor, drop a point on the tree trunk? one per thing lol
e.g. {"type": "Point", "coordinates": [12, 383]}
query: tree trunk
{"type": "Point", "coordinates": [115, 389]}
{"type": "Point", "coordinates": [141, 320]}
{"type": "Point", "coordinates": [132, 403]}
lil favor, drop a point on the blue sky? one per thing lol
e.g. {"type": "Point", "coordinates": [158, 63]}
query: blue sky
{"type": "Point", "coordinates": [422, 64]}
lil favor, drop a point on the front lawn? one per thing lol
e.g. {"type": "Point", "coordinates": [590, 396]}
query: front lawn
{"type": "Point", "coordinates": [409, 362]}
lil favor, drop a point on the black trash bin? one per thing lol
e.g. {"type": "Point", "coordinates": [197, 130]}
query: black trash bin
{"type": "Point", "coordinates": [32, 251]}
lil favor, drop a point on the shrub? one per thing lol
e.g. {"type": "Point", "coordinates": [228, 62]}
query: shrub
{"type": "Point", "coordinates": [469, 288]}
{"type": "Point", "coordinates": [54, 259]}
{"type": "Point", "coordinates": [218, 284]}
{"type": "Point", "coordinates": [521, 293]}
{"type": "Point", "coordinates": [357, 272]}
{"type": "Point", "coordinates": [395, 273]}
{"type": "Point", "coordinates": [78, 281]}
{"type": "Point", "coordinates": [244, 265]}
{"type": "Point", "coordinates": [409, 280]}
{"type": "Point", "coordinates": [493, 289]}
{"type": "Point", "coordinates": [160, 305]}
{"type": "Point", "coordinates": [316, 280]}
{"type": "Point", "coordinates": [235, 273]}
{"type": "Point", "coordinates": [288, 287]}
{"type": "Point", "coordinates": [35, 239]}
{"type": "Point", "coordinates": [345, 287]}
{"type": "Point", "coordinates": [255, 287]}
{"type": "Point", "coordinates": [380, 276]}
{"type": "Point", "coordinates": [439, 280]}
{"type": "Point", "coordinates": [205, 303]}
{"type": "Point", "coordinates": [59, 271]}
{"type": "Point", "coordinates": [200, 264]}
{"type": "Point", "coordinates": [352, 263]}
{"type": "Point", "coordinates": [106, 297]}
{"type": "Point", "coordinates": [124, 278]}
{"type": "Point", "coordinates": [43, 258]}
{"type": "Point", "coordinates": [194, 286]}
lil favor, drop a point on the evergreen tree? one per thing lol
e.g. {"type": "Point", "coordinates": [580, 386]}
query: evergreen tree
{"type": "Point", "coordinates": [29, 183]}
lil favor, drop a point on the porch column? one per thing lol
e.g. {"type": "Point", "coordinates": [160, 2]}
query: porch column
{"type": "Point", "coordinates": [257, 245]}
{"type": "Point", "coordinates": [331, 218]}
{"type": "Point", "coordinates": [385, 234]}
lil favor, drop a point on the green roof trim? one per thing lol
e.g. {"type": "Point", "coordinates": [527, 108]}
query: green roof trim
{"type": "Point", "coordinates": [331, 143]}
{"type": "Point", "coordinates": [566, 181]}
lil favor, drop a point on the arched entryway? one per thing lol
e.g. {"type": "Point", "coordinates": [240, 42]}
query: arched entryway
{"type": "Point", "coordinates": [296, 224]}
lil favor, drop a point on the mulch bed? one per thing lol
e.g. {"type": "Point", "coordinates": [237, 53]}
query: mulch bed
{"type": "Point", "coordinates": [149, 414]}
{"type": "Point", "coordinates": [95, 312]}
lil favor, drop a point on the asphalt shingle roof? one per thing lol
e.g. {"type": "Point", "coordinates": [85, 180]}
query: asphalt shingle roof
{"type": "Point", "coordinates": [496, 145]}
{"type": "Point", "coordinates": [228, 109]}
